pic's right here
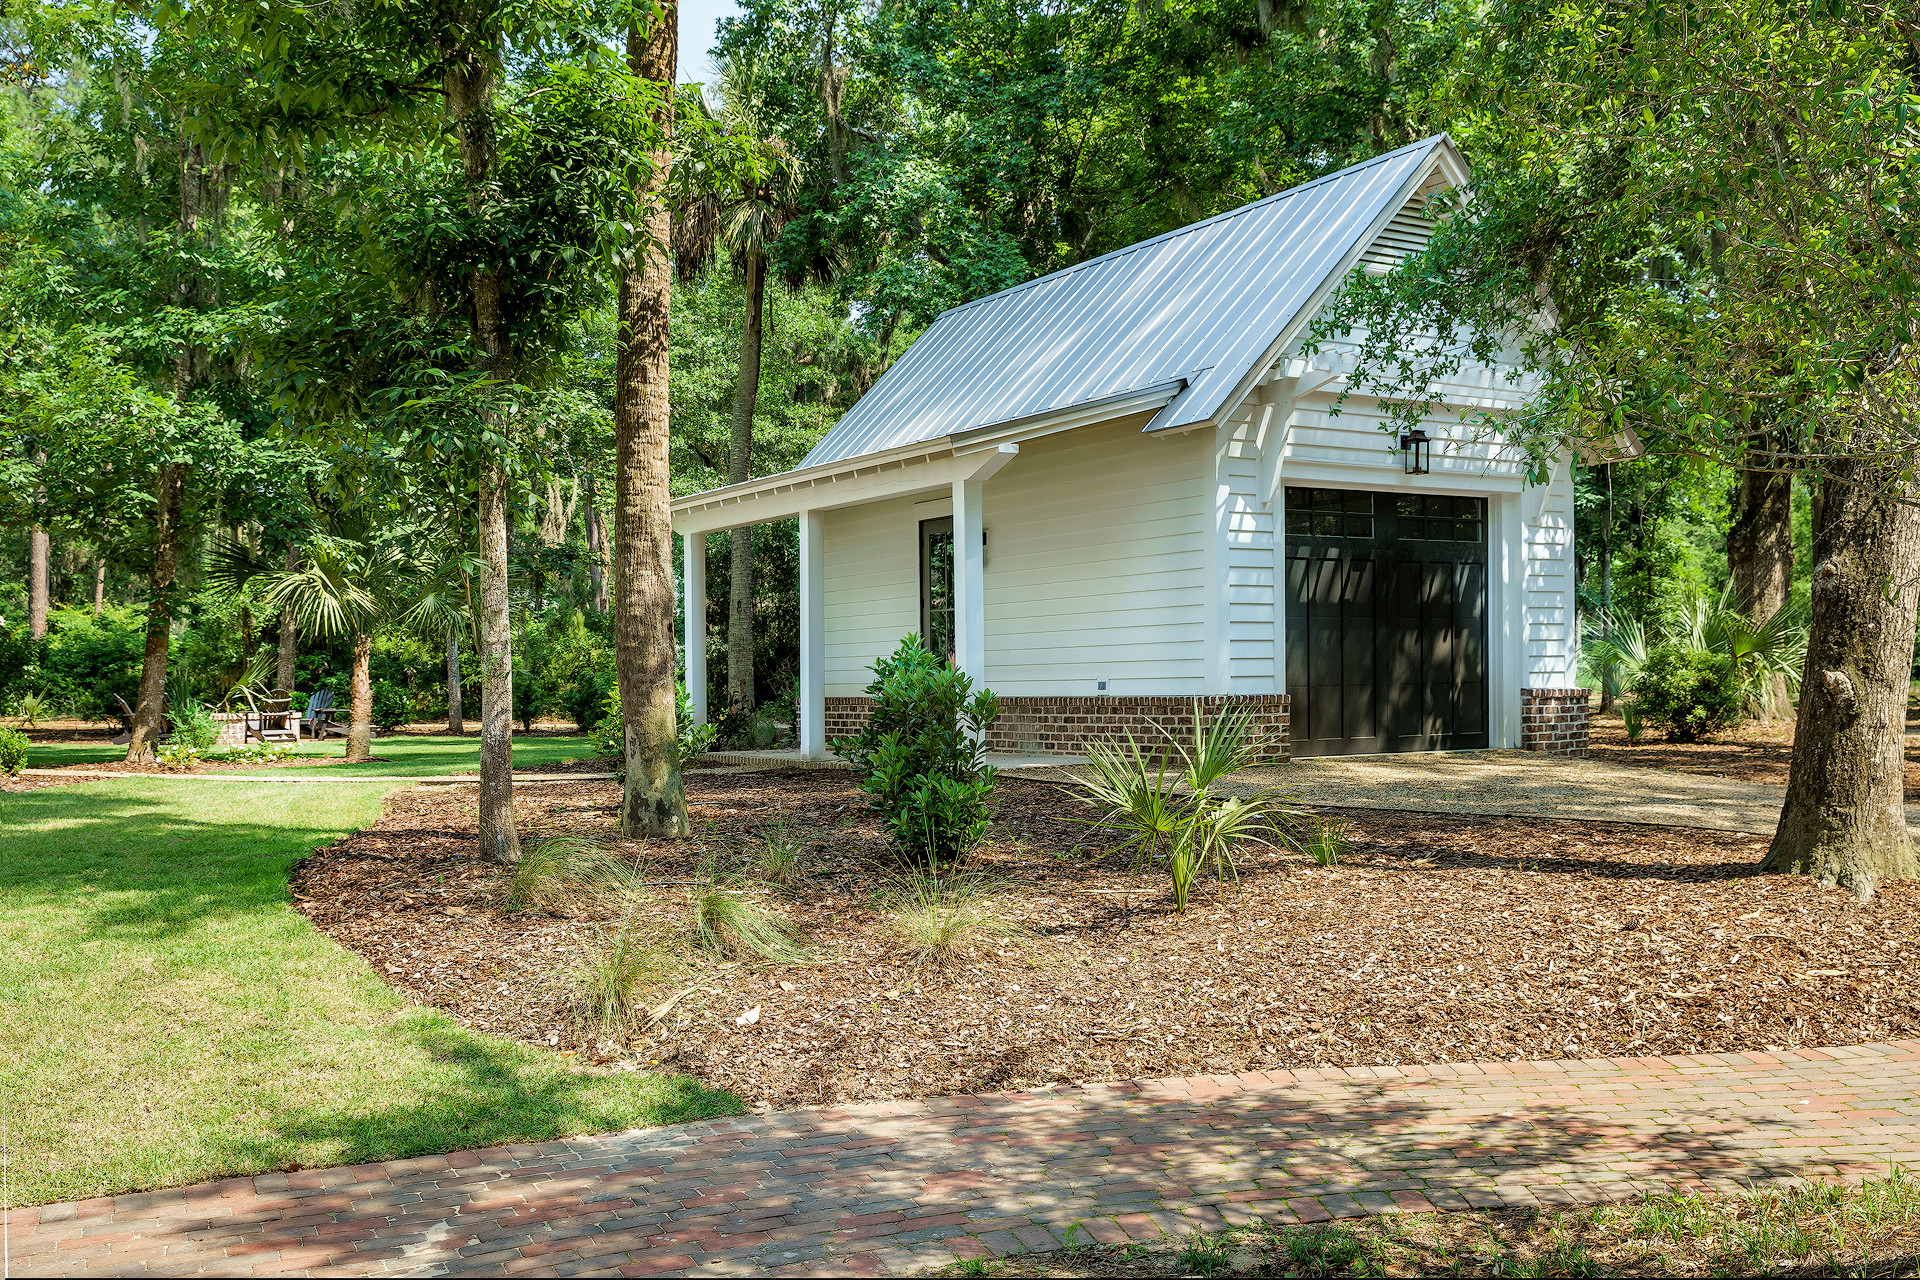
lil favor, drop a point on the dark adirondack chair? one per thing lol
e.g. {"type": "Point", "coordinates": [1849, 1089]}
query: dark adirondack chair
{"type": "Point", "coordinates": [319, 719]}
{"type": "Point", "coordinates": [271, 717]}
{"type": "Point", "coordinates": [125, 735]}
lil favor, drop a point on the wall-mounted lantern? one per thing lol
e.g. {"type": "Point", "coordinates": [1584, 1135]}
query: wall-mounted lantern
{"type": "Point", "coordinates": [1415, 451]}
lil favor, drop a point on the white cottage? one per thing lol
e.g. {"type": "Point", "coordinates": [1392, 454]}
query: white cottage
{"type": "Point", "coordinates": [1121, 487]}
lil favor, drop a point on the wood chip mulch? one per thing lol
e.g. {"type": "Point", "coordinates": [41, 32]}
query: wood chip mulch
{"type": "Point", "coordinates": [1438, 939]}
{"type": "Point", "coordinates": [1749, 752]}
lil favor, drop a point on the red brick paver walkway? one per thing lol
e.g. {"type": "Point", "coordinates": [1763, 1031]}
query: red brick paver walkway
{"type": "Point", "coordinates": [891, 1187]}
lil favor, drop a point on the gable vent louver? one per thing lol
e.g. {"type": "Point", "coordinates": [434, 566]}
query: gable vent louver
{"type": "Point", "coordinates": [1407, 233]}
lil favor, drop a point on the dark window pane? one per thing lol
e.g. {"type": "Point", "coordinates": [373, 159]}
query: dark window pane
{"type": "Point", "coordinates": [1361, 503]}
{"type": "Point", "coordinates": [1298, 520]}
{"type": "Point", "coordinates": [936, 585]}
{"type": "Point", "coordinates": [1359, 526]}
{"type": "Point", "coordinates": [1327, 526]}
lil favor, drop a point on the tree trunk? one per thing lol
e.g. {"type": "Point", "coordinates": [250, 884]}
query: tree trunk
{"type": "Point", "coordinates": [1845, 817]}
{"type": "Point", "coordinates": [746, 391]}
{"type": "Point", "coordinates": [39, 581]}
{"type": "Point", "coordinates": [99, 586]}
{"type": "Point", "coordinates": [149, 721]}
{"type": "Point", "coordinates": [597, 545]}
{"type": "Point", "coordinates": [830, 86]}
{"type": "Point", "coordinates": [360, 701]}
{"type": "Point", "coordinates": [456, 722]}
{"type": "Point", "coordinates": [1760, 554]}
{"type": "Point", "coordinates": [655, 804]}
{"type": "Point", "coordinates": [284, 673]}
{"type": "Point", "coordinates": [499, 842]}
{"type": "Point", "coordinates": [469, 84]}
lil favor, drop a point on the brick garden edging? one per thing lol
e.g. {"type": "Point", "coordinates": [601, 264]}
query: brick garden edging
{"type": "Point", "coordinates": [882, 1188]}
{"type": "Point", "coordinates": [1554, 720]}
{"type": "Point", "coordinates": [1064, 726]}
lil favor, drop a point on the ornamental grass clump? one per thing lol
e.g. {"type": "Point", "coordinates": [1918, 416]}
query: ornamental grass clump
{"type": "Point", "coordinates": [560, 870]}
{"type": "Point", "coordinates": [607, 990]}
{"type": "Point", "coordinates": [922, 756]}
{"type": "Point", "coordinates": [1167, 804]}
{"type": "Point", "coordinates": [726, 922]}
{"type": "Point", "coordinates": [937, 919]}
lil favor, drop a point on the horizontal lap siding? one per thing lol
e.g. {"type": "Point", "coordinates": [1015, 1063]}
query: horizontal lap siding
{"type": "Point", "coordinates": [1253, 650]}
{"type": "Point", "coordinates": [872, 588]}
{"type": "Point", "coordinates": [1095, 564]}
{"type": "Point", "coordinates": [1362, 434]}
{"type": "Point", "coordinates": [1551, 650]}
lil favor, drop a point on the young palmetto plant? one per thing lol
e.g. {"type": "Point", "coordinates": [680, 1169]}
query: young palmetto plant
{"type": "Point", "coordinates": [1175, 816]}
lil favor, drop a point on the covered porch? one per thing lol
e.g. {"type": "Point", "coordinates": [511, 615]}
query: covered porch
{"type": "Point", "coordinates": [807, 495]}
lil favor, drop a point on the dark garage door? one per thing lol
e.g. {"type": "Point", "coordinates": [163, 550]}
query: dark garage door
{"type": "Point", "coordinates": [1386, 621]}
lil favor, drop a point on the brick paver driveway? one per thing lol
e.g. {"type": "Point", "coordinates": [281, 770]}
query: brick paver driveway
{"type": "Point", "coordinates": [891, 1187]}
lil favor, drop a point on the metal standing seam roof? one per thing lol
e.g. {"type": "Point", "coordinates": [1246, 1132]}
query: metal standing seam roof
{"type": "Point", "coordinates": [1201, 305]}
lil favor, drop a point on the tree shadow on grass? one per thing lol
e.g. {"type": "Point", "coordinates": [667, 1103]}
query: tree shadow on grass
{"type": "Point", "coordinates": [128, 864]}
{"type": "Point", "coordinates": [480, 1091]}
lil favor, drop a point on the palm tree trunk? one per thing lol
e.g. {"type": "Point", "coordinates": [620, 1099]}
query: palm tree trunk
{"type": "Point", "coordinates": [284, 673]}
{"type": "Point", "coordinates": [1845, 819]}
{"type": "Point", "coordinates": [740, 468]}
{"type": "Point", "coordinates": [39, 568]}
{"type": "Point", "coordinates": [655, 804]}
{"type": "Point", "coordinates": [456, 722]}
{"type": "Point", "coordinates": [360, 711]}
{"type": "Point", "coordinates": [99, 585]}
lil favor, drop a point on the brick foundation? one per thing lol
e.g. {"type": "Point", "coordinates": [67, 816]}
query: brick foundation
{"type": "Point", "coordinates": [1063, 726]}
{"type": "Point", "coordinates": [1554, 720]}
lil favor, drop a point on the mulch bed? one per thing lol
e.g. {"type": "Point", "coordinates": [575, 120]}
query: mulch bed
{"type": "Point", "coordinates": [1438, 939]}
{"type": "Point", "coordinates": [1750, 752]}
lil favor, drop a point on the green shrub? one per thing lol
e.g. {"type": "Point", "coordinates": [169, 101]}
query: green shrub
{"type": "Point", "coordinates": [586, 700]}
{"type": "Point", "coordinates": [922, 755]}
{"type": "Point", "coordinates": [193, 726]}
{"type": "Point", "coordinates": [85, 660]}
{"type": "Point", "coordinates": [13, 752]}
{"type": "Point", "coordinates": [526, 704]}
{"type": "Point", "coordinates": [609, 736]}
{"type": "Point", "coordinates": [392, 705]}
{"type": "Point", "coordinates": [1693, 693]}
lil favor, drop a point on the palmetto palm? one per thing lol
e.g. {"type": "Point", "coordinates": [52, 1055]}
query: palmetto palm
{"type": "Point", "coordinates": [338, 587]}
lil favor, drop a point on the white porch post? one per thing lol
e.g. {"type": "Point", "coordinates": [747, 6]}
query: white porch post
{"type": "Point", "coordinates": [813, 636]}
{"type": "Point", "coordinates": [969, 583]}
{"type": "Point", "coordinates": [970, 563]}
{"type": "Point", "coordinates": [693, 559]}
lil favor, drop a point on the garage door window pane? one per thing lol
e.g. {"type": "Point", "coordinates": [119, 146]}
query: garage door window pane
{"type": "Point", "coordinates": [1441, 518]}
{"type": "Point", "coordinates": [1329, 513]}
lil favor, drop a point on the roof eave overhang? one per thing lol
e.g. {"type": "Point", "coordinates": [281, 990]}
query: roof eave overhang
{"type": "Point", "coordinates": [893, 472]}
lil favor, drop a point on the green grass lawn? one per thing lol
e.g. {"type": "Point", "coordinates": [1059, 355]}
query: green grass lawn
{"type": "Point", "coordinates": [409, 757]}
{"type": "Point", "coordinates": [166, 1017]}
